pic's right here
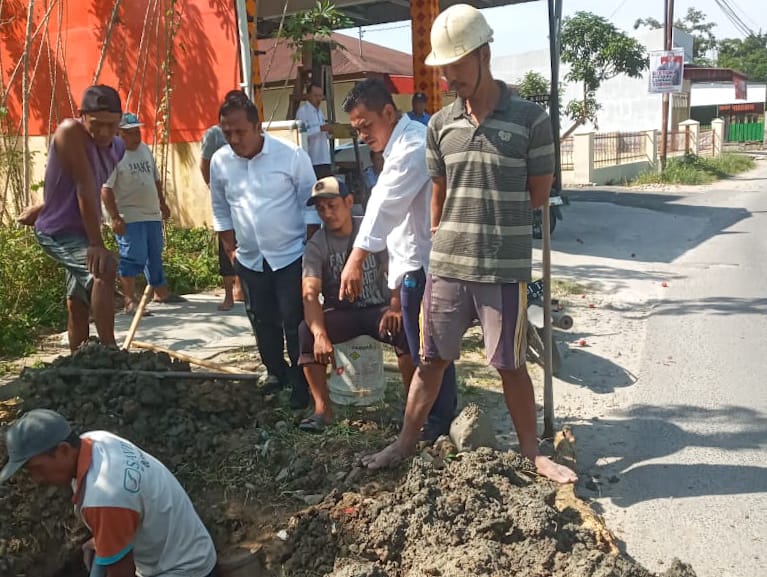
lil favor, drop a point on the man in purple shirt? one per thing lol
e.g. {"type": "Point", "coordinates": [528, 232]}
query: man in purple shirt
{"type": "Point", "coordinates": [82, 155]}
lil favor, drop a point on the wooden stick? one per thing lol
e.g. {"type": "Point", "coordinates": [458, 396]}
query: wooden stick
{"type": "Point", "coordinates": [201, 375]}
{"type": "Point", "coordinates": [137, 317]}
{"type": "Point", "coordinates": [190, 360]}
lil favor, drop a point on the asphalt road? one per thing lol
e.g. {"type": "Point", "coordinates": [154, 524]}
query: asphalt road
{"type": "Point", "coordinates": [679, 459]}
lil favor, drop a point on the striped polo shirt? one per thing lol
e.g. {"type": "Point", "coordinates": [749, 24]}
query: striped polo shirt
{"type": "Point", "coordinates": [485, 234]}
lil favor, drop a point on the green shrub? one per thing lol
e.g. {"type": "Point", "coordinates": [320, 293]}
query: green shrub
{"type": "Point", "coordinates": [32, 286]}
{"type": "Point", "coordinates": [691, 169]}
{"type": "Point", "coordinates": [32, 291]}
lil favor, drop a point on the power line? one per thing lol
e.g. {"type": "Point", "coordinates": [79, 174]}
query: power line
{"type": "Point", "coordinates": [733, 17]}
{"type": "Point", "coordinates": [621, 5]}
{"type": "Point", "coordinates": [746, 14]}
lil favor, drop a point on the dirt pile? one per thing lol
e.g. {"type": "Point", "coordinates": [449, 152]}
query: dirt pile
{"type": "Point", "coordinates": [482, 513]}
{"type": "Point", "coordinates": [298, 501]}
{"type": "Point", "coordinates": [195, 427]}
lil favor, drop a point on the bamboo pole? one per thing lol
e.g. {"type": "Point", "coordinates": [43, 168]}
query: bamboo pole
{"type": "Point", "coordinates": [189, 359]}
{"type": "Point", "coordinates": [25, 103]}
{"type": "Point", "coordinates": [137, 316]}
{"type": "Point", "coordinates": [105, 44]}
{"type": "Point", "coordinates": [199, 375]}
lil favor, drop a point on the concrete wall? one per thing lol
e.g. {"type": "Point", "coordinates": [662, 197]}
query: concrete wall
{"type": "Point", "coordinates": [620, 173]}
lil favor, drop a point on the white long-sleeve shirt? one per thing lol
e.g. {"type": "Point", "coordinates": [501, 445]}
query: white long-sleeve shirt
{"type": "Point", "coordinates": [319, 146]}
{"type": "Point", "coordinates": [398, 214]}
{"type": "Point", "coordinates": [263, 199]}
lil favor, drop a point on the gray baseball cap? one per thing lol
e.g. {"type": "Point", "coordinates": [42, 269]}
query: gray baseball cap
{"type": "Point", "coordinates": [34, 433]}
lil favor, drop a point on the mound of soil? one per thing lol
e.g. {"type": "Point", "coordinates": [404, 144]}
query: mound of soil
{"type": "Point", "coordinates": [483, 513]}
{"type": "Point", "coordinates": [218, 437]}
{"type": "Point", "coordinates": [296, 503]}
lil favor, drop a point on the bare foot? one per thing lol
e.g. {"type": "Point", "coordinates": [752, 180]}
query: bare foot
{"type": "Point", "coordinates": [391, 456]}
{"type": "Point", "coordinates": [551, 470]}
{"type": "Point", "coordinates": [239, 296]}
{"type": "Point", "coordinates": [227, 304]}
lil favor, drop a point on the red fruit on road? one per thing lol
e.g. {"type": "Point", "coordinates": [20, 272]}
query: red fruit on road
{"type": "Point", "coordinates": [592, 305]}
{"type": "Point", "coordinates": [582, 343]}
{"type": "Point", "coordinates": [664, 284]}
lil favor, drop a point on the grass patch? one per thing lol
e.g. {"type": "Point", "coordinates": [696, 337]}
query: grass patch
{"type": "Point", "coordinates": [33, 292]}
{"type": "Point", "coordinates": [691, 169]}
{"type": "Point", "coordinates": [566, 287]}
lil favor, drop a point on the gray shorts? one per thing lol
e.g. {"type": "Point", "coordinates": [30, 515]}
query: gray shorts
{"type": "Point", "coordinates": [70, 251]}
{"type": "Point", "coordinates": [450, 307]}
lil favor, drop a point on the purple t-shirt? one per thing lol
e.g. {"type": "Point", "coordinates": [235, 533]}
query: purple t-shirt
{"type": "Point", "coordinates": [61, 213]}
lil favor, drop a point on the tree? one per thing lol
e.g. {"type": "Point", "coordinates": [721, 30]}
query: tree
{"type": "Point", "coordinates": [533, 84]}
{"type": "Point", "coordinates": [596, 51]}
{"type": "Point", "coordinates": [748, 56]}
{"type": "Point", "coordinates": [695, 23]}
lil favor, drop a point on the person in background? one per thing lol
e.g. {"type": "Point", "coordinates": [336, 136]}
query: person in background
{"type": "Point", "coordinates": [212, 140]}
{"type": "Point", "coordinates": [491, 159]}
{"type": "Point", "coordinates": [82, 155]}
{"type": "Point", "coordinates": [317, 130]}
{"type": "Point", "coordinates": [418, 113]}
{"type": "Point", "coordinates": [259, 187]}
{"type": "Point", "coordinates": [374, 170]}
{"type": "Point", "coordinates": [141, 519]}
{"type": "Point", "coordinates": [136, 205]}
{"type": "Point", "coordinates": [376, 313]}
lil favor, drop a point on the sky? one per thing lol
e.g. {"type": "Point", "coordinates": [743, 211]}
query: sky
{"type": "Point", "coordinates": [524, 27]}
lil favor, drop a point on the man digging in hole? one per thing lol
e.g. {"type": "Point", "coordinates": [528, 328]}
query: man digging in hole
{"type": "Point", "coordinates": [376, 312]}
{"type": "Point", "coordinates": [491, 159]}
{"type": "Point", "coordinates": [141, 519]}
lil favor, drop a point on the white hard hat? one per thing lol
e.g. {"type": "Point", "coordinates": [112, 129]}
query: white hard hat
{"type": "Point", "coordinates": [455, 33]}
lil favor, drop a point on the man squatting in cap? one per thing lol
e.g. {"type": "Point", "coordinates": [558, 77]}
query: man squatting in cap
{"type": "Point", "coordinates": [82, 155]}
{"type": "Point", "coordinates": [141, 519]}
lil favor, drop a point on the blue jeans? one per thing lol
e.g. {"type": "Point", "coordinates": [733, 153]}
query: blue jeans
{"type": "Point", "coordinates": [141, 250]}
{"type": "Point", "coordinates": [443, 410]}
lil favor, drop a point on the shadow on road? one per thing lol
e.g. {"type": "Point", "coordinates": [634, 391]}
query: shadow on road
{"type": "Point", "coordinates": [644, 226]}
{"type": "Point", "coordinates": [712, 306]}
{"type": "Point", "coordinates": [619, 464]}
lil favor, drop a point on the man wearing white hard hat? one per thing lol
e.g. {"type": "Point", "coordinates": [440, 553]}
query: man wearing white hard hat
{"type": "Point", "coordinates": [491, 158]}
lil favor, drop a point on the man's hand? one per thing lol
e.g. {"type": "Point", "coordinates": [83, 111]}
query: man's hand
{"type": "Point", "coordinates": [118, 225]}
{"type": "Point", "coordinates": [391, 322]}
{"type": "Point", "coordinates": [89, 552]}
{"type": "Point", "coordinates": [100, 261]}
{"type": "Point", "coordinates": [326, 128]}
{"type": "Point", "coordinates": [323, 350]}
{"type": "Point", "coordinates": [29, 215]}
{"type": "Point", "coordinates": [351, 277]}
{"type": "Point", "coordinates": [164, 210]}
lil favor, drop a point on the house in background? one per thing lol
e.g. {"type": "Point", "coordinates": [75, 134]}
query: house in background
{"type": "Point", "coordinates": [354, 61]}
{"type": "Point", "coordinates": [743, 118]}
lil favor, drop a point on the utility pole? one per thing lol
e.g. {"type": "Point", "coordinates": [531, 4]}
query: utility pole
{"type": "Point", "coordinates": [668, 44]}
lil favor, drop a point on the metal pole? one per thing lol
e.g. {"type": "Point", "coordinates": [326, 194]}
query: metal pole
{"type": "Point", "coordinates": [668, 42]}
{"type": "Point", "coordinates": [555, 16]}
{"type": "Point", "coordinates": [246, 56]}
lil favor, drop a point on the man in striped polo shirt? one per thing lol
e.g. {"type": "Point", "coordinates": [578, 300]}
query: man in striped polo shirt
{"type": "Point", "coordinates": [491, 159]}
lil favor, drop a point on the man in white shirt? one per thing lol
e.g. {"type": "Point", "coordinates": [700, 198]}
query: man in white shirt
{"type": "Point", "coordinates": [317, 130]}
{"type": "Point", "coordinates": [397, 218]}
{"type": "Point", "coordinates": [141, 519]}
{"type": "Point", "coordinates": [259, 187]}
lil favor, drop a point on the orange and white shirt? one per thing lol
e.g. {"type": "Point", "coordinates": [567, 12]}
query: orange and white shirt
{"type": "Point", "coordinates": [132, 503]}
